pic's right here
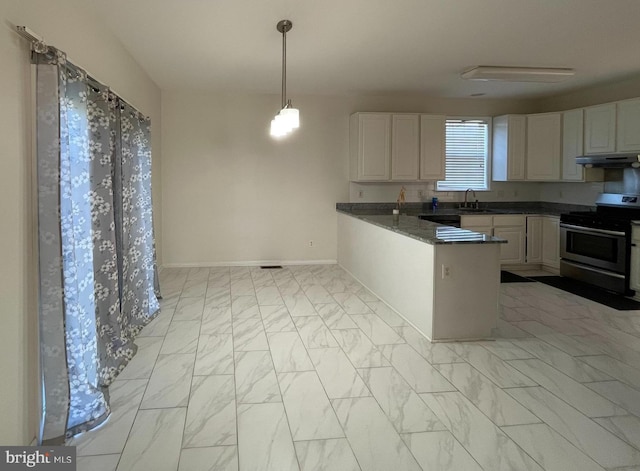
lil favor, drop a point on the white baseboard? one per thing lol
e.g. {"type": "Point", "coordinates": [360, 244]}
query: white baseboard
{"type": "Point", "coordinates": [250, 263]}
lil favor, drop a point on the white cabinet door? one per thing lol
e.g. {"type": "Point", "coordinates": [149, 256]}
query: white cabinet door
{"type": "Point", "coordinates": [513, 251]}
{"type": "Point", "coordinates": [467, 221]}
{"type": "Point", "coordinates": [370, 146]}
{"type": "Point", "coordinates": [551, 241]}
{"type": "Point", "coordinates": [600, 129]}
{"type": "Point", "coordinates": [628, 138]}
{"type": "Point", "coordinates": [405, 146]}
{"type": "Point", "coordinates": [486, 230]}
{"type": "Point", "coordinates": [634, 281]}
{"type": "Point", "coordinates": [509, 145]}
{"type": "Point", "coordinates": [572, 144]}
{"type": "Point", "coordinates": [513, 228]}
{"type": "Point", "coordinates": [543, 146]}
{"type": "Point", "coordinates": [481, 224]}
{"type": "Point", "coordinates": [534, 239]}
{"type": "Point", "coordinates": [432, 147]}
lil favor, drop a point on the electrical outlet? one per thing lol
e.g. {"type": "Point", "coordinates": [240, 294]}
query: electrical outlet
{"type": "Point", "coordinates": [560, 194]}
{"type": "Point", "coordinates": [310, 243]}
{"type": "Point", "coordinates": [360, 194]}
{"type": "Point", "coordinates": [420, 193]}
{"type": "Point", "coordinates": [446, 271]}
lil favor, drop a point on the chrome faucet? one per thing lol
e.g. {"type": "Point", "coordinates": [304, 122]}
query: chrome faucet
{"type": "Point", "coordinates": [466, 194]}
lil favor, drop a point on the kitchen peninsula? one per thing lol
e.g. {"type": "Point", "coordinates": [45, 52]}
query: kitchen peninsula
{"type": "Point", "coordinates": [444, 280]}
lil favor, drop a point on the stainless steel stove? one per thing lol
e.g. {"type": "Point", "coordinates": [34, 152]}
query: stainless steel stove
{"type": "Point", "coordinates": [595, 246]}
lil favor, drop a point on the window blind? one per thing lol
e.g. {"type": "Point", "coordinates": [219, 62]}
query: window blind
{"type": "Point", "coordinates": [467, 143]}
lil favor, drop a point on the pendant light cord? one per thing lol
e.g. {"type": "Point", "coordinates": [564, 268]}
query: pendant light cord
{"type": "Point", "coordinates": [284, 68]}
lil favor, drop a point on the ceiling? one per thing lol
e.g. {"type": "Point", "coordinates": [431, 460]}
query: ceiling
{"type": "Point", "coordinates": [375, 46]}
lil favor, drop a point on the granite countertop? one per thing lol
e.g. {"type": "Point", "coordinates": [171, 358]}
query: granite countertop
{"type": "Point", "coordinates": [448, 208]}
{"type": "Point", "coordinates": [426, 231]}
{"type": "Point", "coordinates": [433, 233]}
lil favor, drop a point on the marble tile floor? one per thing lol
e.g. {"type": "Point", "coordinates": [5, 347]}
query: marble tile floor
{"type": "Point", "coordinates": [302, 368]}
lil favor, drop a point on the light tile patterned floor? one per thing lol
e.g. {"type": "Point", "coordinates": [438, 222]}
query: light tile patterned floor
{"type": "Point", "coordinates": [301, 368]}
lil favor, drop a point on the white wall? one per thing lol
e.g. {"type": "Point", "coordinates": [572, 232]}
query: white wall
{"type": "Point", "coordinates": [66, 25]}
{"type": "Point", "coordinates": [233, 194]}
{"type": "Point", "coordinates": [595, 95]}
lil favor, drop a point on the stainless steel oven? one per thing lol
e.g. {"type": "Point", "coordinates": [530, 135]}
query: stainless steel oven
{"type": "Point", "coordinates": [599, 248]}
{"type": "Point", "coordinates": [595, 248]}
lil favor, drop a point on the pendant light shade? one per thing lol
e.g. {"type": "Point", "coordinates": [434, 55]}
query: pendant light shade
{"type": "Point", "coordinates": [288, 118]}
{"type": "Point", "coordinates": [292, 116]}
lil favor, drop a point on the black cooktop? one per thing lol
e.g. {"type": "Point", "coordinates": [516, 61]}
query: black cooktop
{"type": "Point", "coordinates": [605, 217]}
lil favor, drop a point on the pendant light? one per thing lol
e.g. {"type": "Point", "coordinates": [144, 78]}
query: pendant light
{"type": "Point", "coordinates": [288, 118]}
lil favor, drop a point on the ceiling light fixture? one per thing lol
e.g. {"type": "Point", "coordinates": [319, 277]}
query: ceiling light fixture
{"type": "Point", "coordinates": [517, 74]}
{"type": "Point", "coordinates": [288, 118]}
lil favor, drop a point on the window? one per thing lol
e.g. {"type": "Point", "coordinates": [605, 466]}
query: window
{"type": "Point", "coordinates": [467, 154]}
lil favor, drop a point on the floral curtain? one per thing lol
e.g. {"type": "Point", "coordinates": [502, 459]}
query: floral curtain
{"type": "Point", "coordinates": [98, 276]}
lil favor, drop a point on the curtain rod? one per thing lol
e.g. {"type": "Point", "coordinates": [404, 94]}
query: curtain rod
{"type": "Point", "coordinates": [29, 34]}
{"type": "Point", "coordinates": [39, 46]}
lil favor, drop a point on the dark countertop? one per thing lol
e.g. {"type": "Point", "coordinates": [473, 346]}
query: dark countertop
{"type": "Point", "coordinates": [425, 231]}
{"type": "Point", "coordinates": [448, 208]}
{"type": "Point", "coordinates": [380, 214]}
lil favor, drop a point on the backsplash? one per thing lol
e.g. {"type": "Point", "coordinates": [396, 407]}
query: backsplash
{"type": "Point", "coordinates": [580, 193]}
{"type": "Point", "coordinates": [423, 192]}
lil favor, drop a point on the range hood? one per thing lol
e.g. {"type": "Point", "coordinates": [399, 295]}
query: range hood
{"type": "Point", "coordinates": [610, 160]}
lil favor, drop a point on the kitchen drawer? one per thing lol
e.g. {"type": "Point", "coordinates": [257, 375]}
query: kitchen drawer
{"type": "Point", "coordinates": [510, 220]}
{"type": "Point", "coordinates": [476, 221]}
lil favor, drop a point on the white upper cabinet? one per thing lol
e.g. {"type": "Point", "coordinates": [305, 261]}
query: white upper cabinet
{"type": "Point", "coordinates": [600, 129]}
{"type": "Point", "coordinates": [509, 145]}
{"type": "Point", "coordinates": [396, 147]}
{"type": "Point", "coordinates": [628, 136]}
{"type": "Point", "coordinates": [370, 146]}
{"type": "Point", "coordinates": [432, 147]}
{"type": "Point", "coordinates": [543, 146]}
{"type": "Point", "coordinates": [572, 144]}
{"type": "Point", "coordinates": [405, 146]}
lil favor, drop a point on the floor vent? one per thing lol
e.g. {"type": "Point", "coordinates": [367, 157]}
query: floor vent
{"type": "Point", "coordinates": [271, 267]}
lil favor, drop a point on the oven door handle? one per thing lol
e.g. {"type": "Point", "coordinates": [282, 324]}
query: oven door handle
{"type": "Point", "coordinates": [591, 229]}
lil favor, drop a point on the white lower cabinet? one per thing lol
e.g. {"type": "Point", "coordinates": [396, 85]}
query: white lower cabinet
{"type": "Point", "coordinates": [481, 224]}
{"type": "Point", "coordinates": [487, 230]}
{"type": "Point", "coordinates": [513, 229]}
{"type": "Point", "coordinates": [635, 261]}
{"type": "Point", "coordinates": [534, 239]}
{"type": "Point", "coordinates": [551, 241]}
{"type": "Point", "coordinates": [543, 241]}
{"type": "Point", "coordinates": [530, 239]}
{"type": "Point", "coordinates": [509, 227]}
